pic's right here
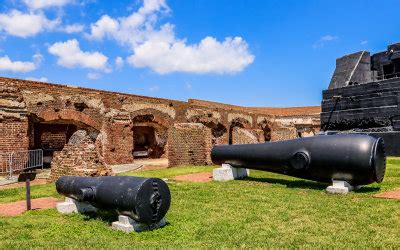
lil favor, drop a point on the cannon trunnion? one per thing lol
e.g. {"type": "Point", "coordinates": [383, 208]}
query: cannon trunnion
{"type": "Point", "coordinates": [354, 158]}
{"type": "Point", "coordinates": [145, 200]}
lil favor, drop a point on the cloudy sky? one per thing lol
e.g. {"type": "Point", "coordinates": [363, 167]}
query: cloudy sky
{"type": "Point", "coordinates": [253, 53]}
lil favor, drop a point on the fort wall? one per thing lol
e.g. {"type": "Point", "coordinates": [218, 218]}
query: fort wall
{"type": "Point", "coordinates": [125, 126]}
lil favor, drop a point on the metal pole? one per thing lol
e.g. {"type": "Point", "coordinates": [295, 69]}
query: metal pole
{"type": "Point", "coordinates": [28, 194]}
{"type": "Point", "coordinates": [11, 163]}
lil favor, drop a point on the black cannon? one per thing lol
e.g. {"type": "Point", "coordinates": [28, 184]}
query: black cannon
{"type": "Point", "coordinates": [354, 158]}
{"type": "Point", "coordinates": [145, 200]}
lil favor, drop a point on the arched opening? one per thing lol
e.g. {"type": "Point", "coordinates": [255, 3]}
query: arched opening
{"type": "Point", "coordinates": [51, 136]}
{"type": "Point", "coordinates": [218, 130]}
{"type": "Point", "coordinates": [149, 137]}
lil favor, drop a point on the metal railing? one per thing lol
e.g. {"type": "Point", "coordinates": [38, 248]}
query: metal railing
{"type": "Point", "coordinates": [15, 162]}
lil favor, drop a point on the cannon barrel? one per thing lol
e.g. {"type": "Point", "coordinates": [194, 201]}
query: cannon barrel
{"type": "Point", "coordinates": [355, 158]}
{"type": "Point", "coordinates": [145, 200]}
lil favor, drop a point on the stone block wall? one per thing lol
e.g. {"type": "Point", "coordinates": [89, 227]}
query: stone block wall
{"type": "Point", "coordinates": [79, 158]}
{"type": "Point", "coordinates": [189, 144]}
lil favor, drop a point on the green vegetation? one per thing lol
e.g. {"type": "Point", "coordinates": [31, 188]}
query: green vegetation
{"type": "Point", "coordinates": [266, 210]}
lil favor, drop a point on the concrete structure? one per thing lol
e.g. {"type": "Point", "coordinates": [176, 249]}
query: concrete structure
{"type": "Point", "coordinates": [70, 206]}
{"type": "Point", "coordinates": [340, 187]}
{"type": "Point", "coordinates": [127, 225]}
{"type": "Point", "coordinates": [123, 127]}
{"type": "Point", "coordinates": [364, 96]}
{"type": "Point", "coordinates": [227, 173]}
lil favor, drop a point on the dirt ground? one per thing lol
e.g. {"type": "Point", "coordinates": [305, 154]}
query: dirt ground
{"type": "Point", "coordinates": [198, 177]}
{"type": "Point", "coordinates": [395, 194]}
{"type": "Point", "coordinates": [19, 207]}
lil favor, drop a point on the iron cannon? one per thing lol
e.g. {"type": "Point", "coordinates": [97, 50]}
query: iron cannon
{"type": "Point", "coordinates": [355, 158]}
{"type": "Point", "coordinates": [145, 200]}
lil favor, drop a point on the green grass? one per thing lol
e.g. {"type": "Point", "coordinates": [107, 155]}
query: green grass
{"type": "Point", "coordinates": [266, 210]}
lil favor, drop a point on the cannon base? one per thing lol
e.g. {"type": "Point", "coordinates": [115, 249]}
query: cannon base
{"type": "Point", "coordinates": [128, 225]}
{"type": "Point", "coordinates": [226, 173]}
{"type": "Point", "coordinates": [340, 187]}
{"type": "Point", "coordinates": [72, 206]}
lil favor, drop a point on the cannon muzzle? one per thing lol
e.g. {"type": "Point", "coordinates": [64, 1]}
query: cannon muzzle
{"type": "Point", "coordinates": [145, 200]}
{"type": "Point", "coordinates": [355, 158]}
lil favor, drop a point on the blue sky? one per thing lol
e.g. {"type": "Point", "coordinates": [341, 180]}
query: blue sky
{"type": "Point", "coordinates": [251, 53]}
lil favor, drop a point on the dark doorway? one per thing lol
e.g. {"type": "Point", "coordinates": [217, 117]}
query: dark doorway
{"type": "Point", "coordinates": [145, 144]}
{"type": "Point", "coordinates": [388, 71]}
{"type": "Point", "coordinates": [53, 135]}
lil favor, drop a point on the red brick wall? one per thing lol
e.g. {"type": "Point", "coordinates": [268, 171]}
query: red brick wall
{"type": "Point", "coordinates": [243, 136]}
{"type": "Point", "coordinates": [117, 143]}
{"type": "Point", "coordinates": [114, 115]}
{"type": "Point", "coordinates": [189, 144]}
{"type": "Point", "coordinates": [54, 140]}
{"type": "Point", "coordinates": [14, 136]}
{"type": "Point", "coordinates": [79, 158]}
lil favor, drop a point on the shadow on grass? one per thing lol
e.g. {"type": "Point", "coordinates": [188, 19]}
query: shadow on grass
{"type": "Point", "coordinates": [307, 184]}
{"type": "Point", "coordinates": [106, 216]}
{"type": "Point", "coordinates": [291, 183]}
{"type": "Point", "coordinates": [365, 189]}
{"type": "Point", "coordinates": [103, 215]}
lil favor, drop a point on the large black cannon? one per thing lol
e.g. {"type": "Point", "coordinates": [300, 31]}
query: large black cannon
{"type": "Point", "coordinates": [145, 200]}
{"type": "Point", "coordinates": [355, 158]}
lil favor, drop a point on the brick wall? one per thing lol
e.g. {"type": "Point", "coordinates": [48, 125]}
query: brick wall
{"type": "Point", "coordinates": [54, 140]}
{"type": "Point", "coordinates": [13, 121]}
{"type": "Point", "coordinates": [114, 114]}
{"type": "Point", "coordinates": [283, 133]}
{"type": "Point", "coordinates": [117, 142]}
{"type": "Point", "coordinates": [14, 136]}
{"type": "Point", "coordinates": [189, 144]}
{"type": "Point", "coordinates": [243, 136]}
{"type": "Point", "coordinates": [79, 158]}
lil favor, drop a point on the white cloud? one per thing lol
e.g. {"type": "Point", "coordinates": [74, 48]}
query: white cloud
{"type": "Point", "coordinates": [105, 26]}
{"type": "Point", "coordinates": [25, 25]}
{"type": "Point", "coordinates": [119, 62]}
{"type": "Point", "coordinates": [16, 66]}
{"type": "Point", "coordinates": [70, 55]}
{"type": "Point", "coordinates": [93, 75]}
{"type": "Point", "coordinates": [154, 88]}
{"type": "Point", "coordinates": [188, 86]}
{"type": "Point", "coordinates": [42, 4]}
{"type": "Point", "coordinates": [41, 79]}
{"type": "Point", "coordinates": [209, 56]}
{"type": "Point", "coordinates": [364, 42]}
{"type": "Point", "coordinates": [73, 28]}
{"type": "Point", "coordinates": [159, 49]}
{"type": "Point", "coordinates": [323, 40]}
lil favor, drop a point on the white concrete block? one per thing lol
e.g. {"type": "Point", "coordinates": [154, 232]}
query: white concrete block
{"type": "Point", "coordinates": [128, 225]}
{"type": "Point", "coordinates": [226, 173]}
{"type": "Point", "coordinates": [339, 187]}
{"type": "Point", "coordinates": [72, 206]}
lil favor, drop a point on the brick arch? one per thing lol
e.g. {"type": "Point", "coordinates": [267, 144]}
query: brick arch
{"type": "Point", "coordinates": [151, 121]}
{"type": "Point", "coordinates": [218, 129]}
{"type": "Point", "coordinates": [69, 114]}
{"type": "Point", "coordinates": [152, 115]}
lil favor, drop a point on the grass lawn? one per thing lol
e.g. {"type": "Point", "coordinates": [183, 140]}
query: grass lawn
{"type": "Point", "coordinates": [265, 210]}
